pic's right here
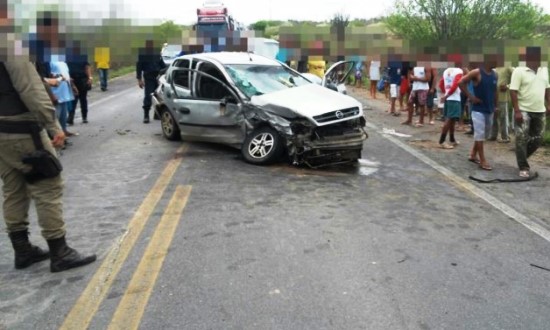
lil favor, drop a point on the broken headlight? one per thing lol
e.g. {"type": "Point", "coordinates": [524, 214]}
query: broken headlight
{"type": "Point", "coordinates": [300, 127]}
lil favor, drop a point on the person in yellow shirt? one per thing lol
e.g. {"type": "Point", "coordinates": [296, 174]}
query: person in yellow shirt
{"type": "Point", "coordinates": [500, 121]}
{"type": "Point", "coordinates": [529, 89]}
{"type": "Point", "coordinates": [316, 67]}
{"type": "Point", "coordinates": [102, 59]}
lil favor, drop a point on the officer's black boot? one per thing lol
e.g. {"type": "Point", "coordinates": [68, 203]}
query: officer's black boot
{"type": "Point", "coordinates": [146, 116]}
{"type": "Point", "coordinates": [63, 257]}
{"type": "Point", "coordinates": [70, 119]}
{"type": "Point", "coordinates": [26, 254]}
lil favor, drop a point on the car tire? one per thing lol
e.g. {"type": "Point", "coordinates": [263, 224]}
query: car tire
{"type": "Point", "coordinates": [263, 146]}
{"type": "Point", "coordinates": [170, 128]}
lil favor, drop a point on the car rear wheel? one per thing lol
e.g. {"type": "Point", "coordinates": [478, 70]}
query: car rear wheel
{"type": "Point", "coordinates": [263, 146]}
{"type": "Point", "coordinates": [170, 128]}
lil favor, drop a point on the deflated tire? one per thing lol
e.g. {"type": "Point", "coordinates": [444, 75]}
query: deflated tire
{"type": "Point", "coordinates": [170, 128]}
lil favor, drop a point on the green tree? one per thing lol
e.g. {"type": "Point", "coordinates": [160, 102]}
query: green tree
{"type": "Point", "coordinates": [464, 19]}
{"type": "Point", "coordinates": [339, 21]}
{"type": "Point", "coordinates": [543, 29]}
{"type": "Point", "coordinates": [259, 26]}
{"type": "Point", "coordinates": [168, 31]}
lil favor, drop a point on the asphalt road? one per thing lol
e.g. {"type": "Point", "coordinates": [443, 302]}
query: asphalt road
{"type": "Point", "coordinates": [191, 237]}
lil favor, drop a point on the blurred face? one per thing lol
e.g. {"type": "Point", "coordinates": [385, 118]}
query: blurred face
{"type": "Point", "coordinates": [532, 60]}
{"type": "Point", "coordinates": [492, 61]}
{"type": "Point", "coordinates": [48, 29]}
{"type": "Point", "coordinates": [6, 24]}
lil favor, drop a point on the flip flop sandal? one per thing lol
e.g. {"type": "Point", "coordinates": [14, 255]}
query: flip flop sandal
{"type": "Point", "coordinates": [446, 146]}
{"type": "Point", "coordinates": [418, 125]}
{"type": "Point", "coordinates": [396, 114]}
{"type": "Point", "coordinates": [473, 160]}
{"type": "Point", "coordinates": [486, 167]}
{"type": "Point", "coordinates": [524, 174]}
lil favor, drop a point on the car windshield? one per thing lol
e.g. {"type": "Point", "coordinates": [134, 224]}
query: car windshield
{"type": "Point", "coordinates": [253, 79]}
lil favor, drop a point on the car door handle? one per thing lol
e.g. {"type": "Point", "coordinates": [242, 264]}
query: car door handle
{"type": "Point", "coordinates": [184, 111]}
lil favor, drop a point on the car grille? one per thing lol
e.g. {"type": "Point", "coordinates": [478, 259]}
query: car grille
{"type": "Point", "coordinates": [337, 115]}
{"type": "Point", "coordinates": [338, 129]}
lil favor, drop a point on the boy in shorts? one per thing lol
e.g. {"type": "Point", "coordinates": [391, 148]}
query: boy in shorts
{"type": "Point", "coordinates": [448, 85]}
{"type": "Point", "coordinates": [394, 73]}
{"type": "Point", "coordinates": [484, 102]}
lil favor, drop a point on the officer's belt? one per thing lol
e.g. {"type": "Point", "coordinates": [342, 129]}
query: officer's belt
{"type": "Point", "coordinates": [23, 127]}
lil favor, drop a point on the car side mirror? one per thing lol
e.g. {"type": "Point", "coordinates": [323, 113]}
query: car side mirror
{"type": "Point", "coordinates": [228, 99]}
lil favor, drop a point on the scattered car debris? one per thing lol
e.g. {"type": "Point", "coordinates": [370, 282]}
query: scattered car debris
{"type": "Point", "coordinates": [540, 267]}
{"type": "Point", "coordinates": [393, 132]}
{"type": "Point", "coordinates": [497, 180]}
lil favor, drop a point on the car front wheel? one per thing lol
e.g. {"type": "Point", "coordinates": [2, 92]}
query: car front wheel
{"type": "Point", "coordinates": [170, 128]}
{"type": "Point", "coordinates": [263, 146]}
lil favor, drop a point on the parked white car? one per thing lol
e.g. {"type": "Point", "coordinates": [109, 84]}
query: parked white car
{"type": "Point", "coordinates": [260, 106]}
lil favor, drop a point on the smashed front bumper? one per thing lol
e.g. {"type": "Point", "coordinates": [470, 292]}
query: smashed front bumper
{"type": "Point", "coordinates": [328, 145]}
{"type": "Point", "coordinates": [311, 145]}
{"type": "Point", "coordinates": [330, 151]}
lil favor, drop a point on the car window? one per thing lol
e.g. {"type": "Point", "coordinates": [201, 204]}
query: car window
{"type": "Point", "coordinates": [181, 78]}
{"type": "Point", "coordinates": [254, 79]}
{"type": "Point", "coordinates": [208, 88]}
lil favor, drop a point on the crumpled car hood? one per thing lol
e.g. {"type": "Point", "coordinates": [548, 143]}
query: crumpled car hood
{"type": "Point", "coordinates": [307, 101]}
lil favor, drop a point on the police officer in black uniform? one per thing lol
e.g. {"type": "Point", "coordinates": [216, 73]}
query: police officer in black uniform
{"type": "Point", "coordinates": [148, 67]}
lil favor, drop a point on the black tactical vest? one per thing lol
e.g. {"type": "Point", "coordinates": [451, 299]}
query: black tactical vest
{"type": "Point", "coordinates": [10, 102]}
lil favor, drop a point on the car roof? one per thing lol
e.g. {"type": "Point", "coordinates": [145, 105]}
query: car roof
{"type": "Point", "coordinates": [235, 58]}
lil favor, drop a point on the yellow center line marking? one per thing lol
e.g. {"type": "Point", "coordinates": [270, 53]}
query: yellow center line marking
{"type": "Point", "coordinates": [131, 308]}
{"type": "Point", "coordinates": [91, 298]}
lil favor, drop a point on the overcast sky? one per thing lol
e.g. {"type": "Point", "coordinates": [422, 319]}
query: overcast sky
{"type": "Point", "coordinates": [245, 11]}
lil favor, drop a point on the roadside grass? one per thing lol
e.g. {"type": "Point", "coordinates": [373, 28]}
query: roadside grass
{"type": "Point", "coordinates": [121, 71]}
{"type": "Point", "coordinates": [546, 139]}
{"type": "Point", "coordinates": [114, 73]}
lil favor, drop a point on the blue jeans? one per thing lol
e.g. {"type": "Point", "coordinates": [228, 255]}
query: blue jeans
{"type": "Point", "coordinates": [61, 111]}
{"type": "Point", "coordinates": [103, 77]}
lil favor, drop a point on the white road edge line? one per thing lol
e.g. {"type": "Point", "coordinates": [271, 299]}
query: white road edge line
{"type": "Point", "coordinates": [493, 201]}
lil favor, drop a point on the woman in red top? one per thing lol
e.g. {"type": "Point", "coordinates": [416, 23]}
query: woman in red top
{"type": "Point", "coordinates": [404, 89]}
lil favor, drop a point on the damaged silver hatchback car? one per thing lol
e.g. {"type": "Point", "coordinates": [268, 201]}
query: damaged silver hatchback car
{"type": "Point", "coordinates": [260, 106]}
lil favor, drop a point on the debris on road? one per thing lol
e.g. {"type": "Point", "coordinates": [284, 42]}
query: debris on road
{"type": "Point", "coordinates": [540, 267]}
{"type": "Point", "coordinates": [393, 132]}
